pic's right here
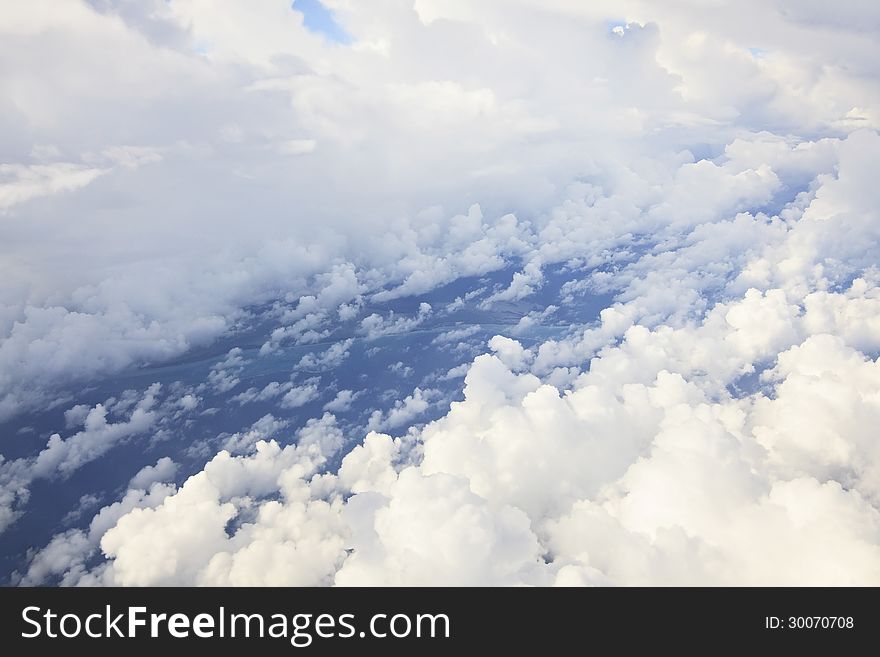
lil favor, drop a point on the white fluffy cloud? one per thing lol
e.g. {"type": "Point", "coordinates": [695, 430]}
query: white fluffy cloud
{"type": "Point", "coordinates": [98, 435]}
{"type": "Point", "coordinates": [267, 392]}
{"type": "Point", "coordinates": [296, 540]}
{"type": "Point", "coordinates": [652, 467]}
{"type": "Point", "coordinates": [266, 428]}
{"type": "Point", "coordinates": [330, 358]}
{"type": "Point", "coordinates": [164, 470]}
{"type": "Point", "coordinates": [375, 326]}
{"type": "Point", "coordinates": [711, 166]}
{"type": "Point", "coordinates": [300, 395]}
{"type": "Point", "coordinates": [22, 183]}
{"type": "Point", "coordinates": [403, 412]}
{"type": "Point", "coordinates": [242, 102]}
{"type": "Point", "coordinates": [342, 401]}
{"type": "Point", "coordinates": [103, 427]}
{"type": "Point", "coordinates": [67, 553]}
{"type": "Point", "coordinates": [223, 376]}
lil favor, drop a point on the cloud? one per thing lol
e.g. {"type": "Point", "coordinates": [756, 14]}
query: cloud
{"type": "Point", "coordinates": [300, 396]}
{"type": "Point", "coordinates": [404, 410]}
{"type": "Point", "coordinates": [528, 321]}
{"type": "Point", "coordinates": [375, 326]}
{"type": "Point", "coordinates": [61, 457]}
{"type": "Point", "coordinates": [21, 183]}
{"type": "Point", "coordinates": [653, 466]}
{"type": "Point", "coordinates": [455, 372]}
{"type": "Point", "coordinates": [267, 392]}
{"type": "Point", "coordinates": [295, 540]}
{"type": "Point", "coordinates": [510, 352]}
{"type": "Point", "coordinates": [523, 284]}
{"type": "Point", "coordinates": [200, 116]}
{"type": "Point", "coordinates": [370, 466]}
{"type": "Point", "coordinates": [65, 558]}
{"type": "Point", "coordinates": [76, 415]}
{"type": "Point", "coordinates": [223, 376]}
{"type": "Point", "coordinates": [435, 531]}
{"type": "Point", "coordinates": [401, 369]}
{"type": "Point", "coordinates": [709, 169]}
{"type": "Point", "coordinates": [164, 470]}
{"type": "Point", "coordinates": [188, 402]}
{"type": "Point", "coordinates": [456, 334]}
{"type": "Point", "coordinates": [329, 359]}
{"type": "Point", "coordinates": [266, 428]}
{"type": "Point", "coordinates": [342, 401]}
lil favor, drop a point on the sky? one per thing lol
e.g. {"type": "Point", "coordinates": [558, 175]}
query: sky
{"type": "Point", "coordinates": [411, 292]}
{"type": "Point", "coordinates": [318, 19]}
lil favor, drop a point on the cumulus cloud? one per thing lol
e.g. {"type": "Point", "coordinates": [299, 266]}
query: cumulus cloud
{"type": "Point", "coordinates": [342, 401]}
{"type": "Point", "coordinates": [188, 402]}
{"type": "Point", "coordinates": [330, 358]}
{"type": "Point", "coordinates": [437, 529]}
{"type": "Point", "coordinates": [650, 467]}
{"type": "Point", "coordinates": [508, 144]}
{"type": "Point", "coordinates": [300, 395]}
{"type": "Point", "coordinates": [401, 369]}
{"type": "Point", "coordinates": [456, 334]}
{"type": "Point", "coordinates": [163, 470]}
{"type": "Point", "coordinates": [63, 456]}
{"type": "Point", "coordinates": [523, 284]}
{"type": "Point", "coordinates": [530, 320]}
{"type": "Point", "coordinates": [267, 392]}
{"type": "Point", "coordinates": [267, 427]}
{"type": "Point", "coordinates": [404, 410]}
{"type": "Point", "coordinates": [223, 376]}
{"type": "Point", "coordinates": [296, 540]}
{"type": "Point", "coordinates": [64, 559]}
{"type": "Point", "coordinates": [510, 352]}
{"type": "Point", "coordinates": [455, 372]}
{"type": "Point", "coordinates": [712, 426]}
{"type": "Point", "coordinates": [375, 326]}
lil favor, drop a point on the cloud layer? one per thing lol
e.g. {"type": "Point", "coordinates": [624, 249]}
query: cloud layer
{"type": "Point", "coordinates": [709, 168]}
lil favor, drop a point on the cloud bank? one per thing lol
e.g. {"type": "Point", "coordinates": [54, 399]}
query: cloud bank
{"type": "Point", "coordinates": [710, 168]}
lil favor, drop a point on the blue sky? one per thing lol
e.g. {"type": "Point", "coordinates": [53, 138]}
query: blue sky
{"type": "Point", "coordinates": [318, 19]}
